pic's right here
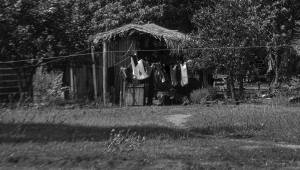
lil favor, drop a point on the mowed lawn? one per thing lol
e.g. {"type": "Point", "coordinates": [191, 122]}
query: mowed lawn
{"type": "Point", "coordinates": [170, 137]}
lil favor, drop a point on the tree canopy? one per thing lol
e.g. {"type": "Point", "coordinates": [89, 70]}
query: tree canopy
{"type": "Point", "coordinates": [32, 31]}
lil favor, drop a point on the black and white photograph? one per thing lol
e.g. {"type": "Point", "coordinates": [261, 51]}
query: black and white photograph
{"type": "Point", "coordinates": [149, 84]}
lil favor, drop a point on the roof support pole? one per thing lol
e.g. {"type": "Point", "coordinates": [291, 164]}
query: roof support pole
{"type": "Point", "coordinates": [104, 72]}
{"type": "Point", "coordinates": [94, 73]}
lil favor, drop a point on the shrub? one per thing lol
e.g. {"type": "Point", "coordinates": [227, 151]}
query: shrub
{"type": "Point", "coordinates": [48, 86]}
{"type": "Point", "coordinates": [199, 96]}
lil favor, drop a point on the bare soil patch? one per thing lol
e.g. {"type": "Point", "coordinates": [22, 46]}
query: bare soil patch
{"type": "Point", "coordinates": [178, 119]}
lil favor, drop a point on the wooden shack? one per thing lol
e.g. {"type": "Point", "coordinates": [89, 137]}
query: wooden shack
{"type": "Point", "coordinates": [113, 48]}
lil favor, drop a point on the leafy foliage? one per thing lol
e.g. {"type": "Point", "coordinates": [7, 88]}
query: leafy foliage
{"type": "Point", "coordinates": [200, 96]}
{"type": "Point", "coordinates": [279, 28]}
{"type": "Point", "coordinates": [224, 33]}
{"type": "Point", "coordinates": [48, 87]}
{"type": "Point", "coordinates": [173, 14]}
{"type": "Point", "coordinates": [226, 25]}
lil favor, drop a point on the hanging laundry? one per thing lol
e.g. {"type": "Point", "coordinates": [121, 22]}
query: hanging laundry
{"type": "Point", "coordinates": [184, 75]}
{"type": "Point", "coordinates": [173, 75]}
{"type": "Point", "coordinates": [161, 82]}
{"type": "Point", "coordinates": [148, 68]}
{"type": "Point", "coordinates": [123, 72]}
{"type": "Point", "coordinates": [161, 72]}
{"type": "Point", "coordinates": [126, 74]}
{"type": "Point", "coordinates": [135, 71]}
{"type": "Point", "coordinates": [141, 70]}
{"type": "Point", "coordinates": [129, 74]}
{"type": "Point", "coordinates": [178, 73]}
{"type": "Point", "coordinates": [270, 66]}
{"type": "Point", "coordinates": [155, 77]}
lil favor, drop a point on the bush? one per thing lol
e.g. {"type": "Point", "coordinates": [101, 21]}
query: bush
{"type": "Point", "coordinates": [199, 96]}
{"type": "Point", "coordinates": [48, 86]}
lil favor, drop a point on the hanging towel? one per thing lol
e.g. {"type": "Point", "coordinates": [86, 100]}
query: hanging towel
{"type": "Point", "coordinates": [135, 71]}
{"type": "Point", "coordinates": [173, 75]}
{"type": "Point", "coordinates": [141, 70]}
{"type": "Point", "coordinates": [184, 75]}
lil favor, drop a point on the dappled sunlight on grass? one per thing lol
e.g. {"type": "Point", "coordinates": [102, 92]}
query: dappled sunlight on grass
{"type": "Point", "coordinates": [269, 122]}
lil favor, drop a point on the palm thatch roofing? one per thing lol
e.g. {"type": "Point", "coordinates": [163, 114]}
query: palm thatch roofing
{"type": "Point", "coordinates": [296, 44]}
{"type": "Point", "coordinates": [173, 39]}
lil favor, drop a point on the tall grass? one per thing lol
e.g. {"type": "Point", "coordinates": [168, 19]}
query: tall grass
{"type": "Point", "coordinates": [269, 122]}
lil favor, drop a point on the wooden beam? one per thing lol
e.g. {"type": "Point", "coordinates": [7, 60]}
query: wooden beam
{"type": "Point", "coordinates": [94, 73]}
{"type": "Point", "coordinates": [72, 80]}
{"type": "Point", "coordinates": [104, 72]}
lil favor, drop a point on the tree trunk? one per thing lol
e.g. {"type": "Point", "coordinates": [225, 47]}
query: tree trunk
{"type": "Point", "coordinates": [276, 69]}
{"type": "Point", "coordinates": [233, 97]}
{"type": "Point", "coordinates": [30, 83]}
{"type": "Point", "coordinates": [276, 78]}
{"type": "Point", "coordinates": [204, 75]}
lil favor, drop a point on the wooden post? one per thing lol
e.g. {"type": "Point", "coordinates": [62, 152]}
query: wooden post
{"type": "Point", "coordinates": [241, 78]}
{"type": "Point", "coordinates": [205, 83]}
{"type": "Point", "coordinates": [121, 89]}
{"type": "Point", "coordinates": [94, 73]}
{"type": "Point", "coordinates": [104, 72]}
{"type": "Point", "coordinates": [71, 81]}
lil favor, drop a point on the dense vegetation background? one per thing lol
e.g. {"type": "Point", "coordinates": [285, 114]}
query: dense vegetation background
{"type": "Point", "coordinates": [33, 30]}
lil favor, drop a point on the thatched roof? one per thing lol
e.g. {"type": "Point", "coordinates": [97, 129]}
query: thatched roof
{"type": "Point", "coordinates": [172, 38]}
{"type": "Point", "coordinates": [297, 47]}
{"type": "Point", "coordinates": [296, 39]}
{"type": "Point", "coordinates": [296, 44]}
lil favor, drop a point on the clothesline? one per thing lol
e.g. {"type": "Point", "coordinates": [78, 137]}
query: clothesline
{"type": "Point", "coordinates": [167, 49]}
{"type": "Point", "coordinates": [156, 50]}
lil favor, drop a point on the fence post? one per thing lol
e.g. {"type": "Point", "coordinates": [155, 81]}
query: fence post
{"type": "Point", "coordinates": [72, 81]}
{"type": "Point", "coordinates": [104, 72]}
{"type": "Point", "coordinates": [94, 72]}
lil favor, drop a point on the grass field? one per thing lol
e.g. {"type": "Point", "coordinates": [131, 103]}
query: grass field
{"type": "Point", "coordinates": [215, 137]}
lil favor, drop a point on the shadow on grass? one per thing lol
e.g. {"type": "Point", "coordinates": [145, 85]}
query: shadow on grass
{"type": "Point", "coordinates": [19, 133]}
{"type": "Point", "coordinates": [229, 131]}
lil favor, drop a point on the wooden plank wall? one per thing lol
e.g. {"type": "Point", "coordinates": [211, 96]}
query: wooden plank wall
{"type": "Point", "coordinates": [117, 59]}
{"type": "Point", "coordinates": [83, 87]}
{"type": "Point", "coordinates": [8, 84]}
{"type": "Point", "coordinates": [83, 75]}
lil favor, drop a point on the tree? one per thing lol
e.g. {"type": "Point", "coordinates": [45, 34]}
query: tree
{"type": "Point", "coordinates": [32, 31]}
{"type": "Point", "coordinates": [279, 28]}
{"type": "Point", "coordinates": [172, 14]}
{"type": "Point", "coordinates": [20, 38]}
{"type": "Point", "coordinates": [225, 33]}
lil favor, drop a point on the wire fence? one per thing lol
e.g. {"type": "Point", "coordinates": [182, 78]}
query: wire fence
{"type": "Point", "coordinates": [9, 82]}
